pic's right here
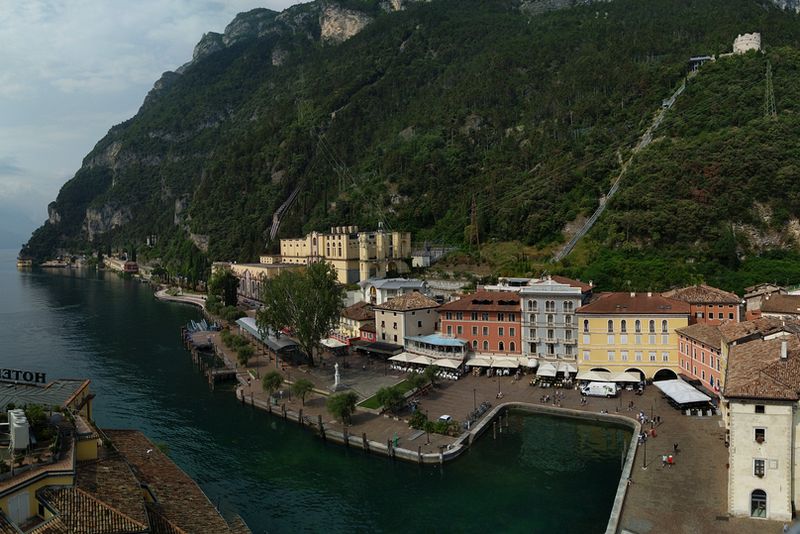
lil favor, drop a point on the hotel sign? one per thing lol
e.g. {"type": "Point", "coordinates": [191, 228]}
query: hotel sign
{"type": "Point", "coordinates": [16, 375]}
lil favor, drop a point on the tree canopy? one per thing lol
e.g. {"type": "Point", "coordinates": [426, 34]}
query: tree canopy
{"type": "Point", "coordinates": [224, 285]}
{"type": "Point", "coordinates": [342, 405]}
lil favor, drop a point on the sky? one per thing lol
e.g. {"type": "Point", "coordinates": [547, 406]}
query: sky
{"type": "Point", "coordinates": [71, 69]}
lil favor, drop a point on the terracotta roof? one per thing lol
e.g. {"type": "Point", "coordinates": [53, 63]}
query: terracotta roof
{"type": "Point", "coordinates": [485, 301]}
{"type": "Point", "coordinates": [585, 288]}
{"type": "Point", "coordinates": [179, 499]}
{"type": "Point", "coordinates": [737, 331]}
{"type": "Point", "coordinates": [777, 303]}
{"type": "Point", "coordinates": [360, 311]}
{"type": "Point", "coordinates": [111, 480]}
{"type": "Point", "coordinates": [703, 294]}
{"type": "Point", "coordinates": [760, 289]}
{"type": "Point", "coordinates": [635, 303]}
{"type": "Point", "coordinates": [704, 333]}
{"type": "Point", "coordinates": [756, 370]}
{"type": "Point", "coordinates": [368, 327]}
{"type": "Point", "coordinates": [409, 301]}
{"type": "Point", "coordinates": [81, 512]}
{"type": "Point", "coordinates": [6, 527]}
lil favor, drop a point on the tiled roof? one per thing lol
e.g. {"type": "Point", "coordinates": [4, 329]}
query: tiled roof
{"type": "Point", "coordinates": [585, 288]}
{"type": "Point", "coordinates": [789, 304]}
{"type": "Point", "coordinates": [737, 331]}
{"type": "Point", "coordinates": [6, 527]}
{"type": "Point", "coordinates": [409, 301]}
{"type": "Point", "coordinates": [81, 512]}
{"type": "Point", "coordinates": [706, 334]}
{"type": "Point", "coordinates": [368, 327]}
{"type": "Point", "coordinates": [179, 499]}
{"type": "Point", "coordinates": [485, 301]}
{"type": "Point", "coordinates": [760, 289]}
{"type": "Point", "coordinates": [635, 303]}
{"type": "Point", "coordinates": [756, 370]}
{"type": "Point", "coordinates": [703, 294]}
{"type": "Point", "coordinates": [360, 311]}
{"type": "Point", "coordinates": [111, 480]}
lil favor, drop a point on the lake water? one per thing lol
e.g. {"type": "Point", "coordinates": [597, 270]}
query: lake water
{"type": "Point", "coordinates": [544, 475]}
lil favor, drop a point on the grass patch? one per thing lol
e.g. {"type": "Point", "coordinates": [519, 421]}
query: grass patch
{"type": "Point", "coordinates": [372, 402]}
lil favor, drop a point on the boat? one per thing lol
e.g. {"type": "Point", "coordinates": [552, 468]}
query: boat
{"type": "Point", "coordinates": [24, 263]}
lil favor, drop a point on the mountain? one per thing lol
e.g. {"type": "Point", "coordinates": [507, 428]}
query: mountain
{"type": "Point", "coordinates": [411, 113]}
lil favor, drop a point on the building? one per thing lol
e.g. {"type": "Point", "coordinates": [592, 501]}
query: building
{"type": "Point", "coordinates": [121, 265]}
{"type": "Point", "coordinates": [762, 390]}
{"type": "Point", "coordinates": [708, 304]}
{"type": "Point", "coordinates": [356, 256]}
{"type": "Point", "coordinates": [411, 314]}
{"type": "Point", "coordinates": [785, 307]}
{"type": "Point", "coordinates": [75, 477]}
{"type": "Point", "coordinates": [746, 42]}
{"type": "Point", "coordinates": [549, 326]}
{"type": "Point", "coordinates": [490, 322]}
{"type": "Point", "coordinates": [378, 291]}
{"type": "Point", "coordinates": [635, 332]}
{"type": "Point", "coordinates": [755, 295]}
{"type": "Point", "coordinates": [252, 275]}
{"type": "Point", "coordinates": [352, 322]}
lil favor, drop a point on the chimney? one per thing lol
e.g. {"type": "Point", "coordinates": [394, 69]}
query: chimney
{"type": "Point", "coordinates": [633, 294]}
{"type": "Point", "coordinates": [649, 293]}
{"type": "Point", "coordinates": [783, 349]}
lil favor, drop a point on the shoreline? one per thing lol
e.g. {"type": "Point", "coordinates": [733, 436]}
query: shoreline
{"type": "Point", "coordinates": [192, 300]}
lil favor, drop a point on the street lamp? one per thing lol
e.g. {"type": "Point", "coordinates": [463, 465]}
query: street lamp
{"type": "Point", "coordinates": [474, 399]}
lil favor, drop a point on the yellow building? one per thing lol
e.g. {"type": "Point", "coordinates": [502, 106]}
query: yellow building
{"type": "Point", "coordinates": [635, 332]}
{"type": "Point", "coordinates": [356, 256]}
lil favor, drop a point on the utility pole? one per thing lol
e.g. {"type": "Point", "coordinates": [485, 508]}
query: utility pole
{"type": "Point", "coordinates": [769, 95]}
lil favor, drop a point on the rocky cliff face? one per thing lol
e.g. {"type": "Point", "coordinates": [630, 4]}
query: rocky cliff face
{"type": "Point", "coordinates": [793, 5]}
{"type": "Point", "coordinates": [102, 220]}
{"type": "Point", "coordinates": [338, 24]}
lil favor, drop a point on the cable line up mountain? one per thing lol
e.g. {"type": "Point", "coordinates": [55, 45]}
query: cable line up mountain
{"type": "Point", "coordinates": [522, 105]}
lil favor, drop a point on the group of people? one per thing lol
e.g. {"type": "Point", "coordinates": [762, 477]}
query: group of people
{"type": "Point", "coordinates": [556, 398]}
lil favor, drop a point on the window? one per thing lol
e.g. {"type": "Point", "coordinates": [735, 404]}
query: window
{"type": "Point", "coordinates": [711, 361]}
{"type": "Point", "coordinates": [568, 320]}
{"type": "Point", "coordinates": [474, 330]}
{"type": "Point", "coordinates": [586, 355]}
{"type": "Point", "coordinates": [459, 330]}
{"type": "Point", "coordinates": [585, 326]}
{"type": "Point", "coordinates": [474, 316]}
{"type": "Point", "coordinates": [394, 325]}
{"type": "Point", "coordinates": [512, 331]}
{"type": "Point", "coordinates": [699, 315]}
{"type": "Point", "coordinates": [652, 327]}
{"type": "Point", "coordinates": [500, 346]}
{"type": "Point", "coordinates": [652, 356]}
{"type": "Point", "coordinates": [550, 320]}
{"type": "Point", "coordinates": [638, 326]}
{"type": "Point", "coordinates": [759, 408]}
{"type": "Point", "coordinates": [551, 349]}
{"type": "Point", "coordinates": [717, 364]}
{"type": "Point", "coordinates": [665, 356]}
{"type": "Point", "coordinates": [610, 326]}
{"type": "Point", "coordinates": [535, 305]}
{"type": "Point", "coordinates": [550, 306]}
{"type": "Point", "coordinates": [551, 335]}
{"type": "Point", "coordinates": [512, 347]}
{"type": "Point", "coordinates": [638, 356]}
{"type": "Point", "coordinates": [419, 324]}
{"type": "Point", "coordinates": [760, 434]}
{"type": "Point", "coordinates": [702, 358]}
{"type": "Point", "coordinates": [568, 335]}
{"type": "Point", "coordinates": [611, 355]}
{"type": "Point", "coordinates": [568, 350]}
{"type": "Point", "coordinates": [758, 501]}
{"type": "Point", "coordinates": [624, 355]}
{"type": "Point", "coordinates": [460, 316]}
{"type": "Point", "coordinates": [730, 316]}
{"type": "Point", "coordinates": [395, 338]}
{"type": "Point", "coordinates": [512, 317]}
{"type": "Point", "coordinates": [530, 304]}
{"type": "Point", "coordinates": [485, 345]}
{"type": "Point", "coordinates": [710, 315]}
{"type": "Point", "coordinates": [664, 327]}
{"type": "Point", "coordinates": [532, 348]}
{"type": "Point", "coordinates": [623, 326]}
{"type": "Point", "coordinates": [702, 375]}
{"type": "Point", "coordinates": [758, 467]}
{"type": "Point", "coordinates": [448, 315]}
{"type": "Point", "coordinates": [383, 324]}
{"type": "Point", "coordinates": [484, 316]}
{"type": "Point", "coordinates": [711, 381]}
{"type": "Point", "coordinates": [568, 306]}
{"type": "Point", "coordinates": [532, 318]}
{"type": "Point", "coordinates": [485, 330]}
{"type": "Point", "coordinates": [449, 330]}
{"type": "Point", "coordinates": [474, 343]}
{"type": "Point", "coordinates": [500, 331]}
{"type": "Point", "coordinates": [383, 335]}
{"type": "Point", "coordinates": [501, 316]}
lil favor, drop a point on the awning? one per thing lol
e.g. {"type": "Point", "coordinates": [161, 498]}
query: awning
{"type": "Point", "coordinates": [505, 362]}
{"type": "Point", "coordinates": [332, 343]}
{"type": "Point", "coordinates": [479, 361]}
{"type": "Point", "coordinates": [529, 362]}
{"type": "Point", "coordinates": [627, 377]}
{"type": "Point", "coordinates": [421, 360]}
{"type": "Point", "coordinates": [404, 357]}
{"type": "Point", "coordinates": [275, 343]}
{"type": "Point", "coordinates": [547, 370]}
{"type": "Point", "coordinates": [378, 347]}
{"type": "Point", "coordinates": [681, 392]}
{"type": "Point", "coordinates": [594, 376]}
{"type": "Point", "coordinates": [566, 368]}
{"type": "Point", "coordinates": [447, 363]}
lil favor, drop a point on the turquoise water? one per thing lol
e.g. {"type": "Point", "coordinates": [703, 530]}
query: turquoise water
{"type": "Point", "coordinates": [543, 475]}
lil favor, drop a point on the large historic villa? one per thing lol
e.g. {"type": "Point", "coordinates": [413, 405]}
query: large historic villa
{"type": "Point", "coordinates": [692, 342]}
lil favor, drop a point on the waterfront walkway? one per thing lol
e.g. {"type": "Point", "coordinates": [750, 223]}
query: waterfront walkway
{"type": "Point", "coordinates": [689, 497]}
{"type": "Point", "coordinates": [194, 300]}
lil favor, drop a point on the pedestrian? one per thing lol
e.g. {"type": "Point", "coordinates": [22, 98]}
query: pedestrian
{"type": "Point", "coordinates": [663, 460]}
{"type": "Point", "coordinates": [675, 448]}
{"type": "Point", "coordinates": [670, 460]}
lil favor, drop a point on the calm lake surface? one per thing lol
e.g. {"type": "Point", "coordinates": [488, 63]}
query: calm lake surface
{"type": "Point", "coordinates": [544, 475]}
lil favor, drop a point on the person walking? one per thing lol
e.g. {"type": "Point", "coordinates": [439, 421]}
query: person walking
{"type": "Point", "coordinates": [663, 460]}
{"type": "Point", "coordinates": [670, 460]}
{"type": "Point", "coordinates": [675, 448]}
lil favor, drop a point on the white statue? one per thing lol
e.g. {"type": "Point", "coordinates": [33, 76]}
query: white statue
{"type": "Point", "coordinates": [336, 375]}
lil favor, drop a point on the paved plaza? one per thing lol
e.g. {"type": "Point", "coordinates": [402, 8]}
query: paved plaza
{"type": "Point", "coordinates": [689, 497]}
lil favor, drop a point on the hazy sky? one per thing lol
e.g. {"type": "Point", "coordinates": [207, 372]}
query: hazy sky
{"type": "Point", "coordinates": [71, 69]}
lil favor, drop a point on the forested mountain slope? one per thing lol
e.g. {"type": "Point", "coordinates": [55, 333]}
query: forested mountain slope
{"type": "Point", "coordinates": [406, 115]}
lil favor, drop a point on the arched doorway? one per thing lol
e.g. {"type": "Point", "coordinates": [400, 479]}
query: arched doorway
{"type": "Point", "coordinates": [665, 374]}
{"type": "Point", "coordinates": [758, 503]}
{"type": "Point", "coordinates": [637, 371]}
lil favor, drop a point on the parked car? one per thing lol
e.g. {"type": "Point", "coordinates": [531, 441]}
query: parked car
{"type": "Point", "coordinates": [445, 418]}
{"type": "Point", "coordinates": [599, 389]}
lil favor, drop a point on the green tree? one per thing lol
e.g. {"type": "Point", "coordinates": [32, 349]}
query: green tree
{"type": "Point", "coordinates": [416, 380]}
{"type": "Point", "coordinates": [430, 374]}
{"type": "Point", "coordinates": [244, 353]}
{"type": "Point", "coordinates": [342, 405]}
{"type": "Point", "coordinates": [307, 301]}
{"type": "Point", "coordinates": [224, 285]}
{"type": "Point", "coordinates": [301, 388]}
{"type": "Point", "coordinates": [391, 398]}
{"type": "Point", "coordinates": [271, 382]}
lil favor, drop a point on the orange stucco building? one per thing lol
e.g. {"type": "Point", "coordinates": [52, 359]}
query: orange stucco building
{"type": "Point", "coordinates": [489, 321]}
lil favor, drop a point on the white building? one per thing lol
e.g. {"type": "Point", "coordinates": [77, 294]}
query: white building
{"type": "Point", "coordinates": [378, 291]}
{"type": "Point", "coordinates": [412, 314]}
{"type": "Point", "coordinates": [761, 395]}
{"type": "Point", "coordinates": [746, 42]}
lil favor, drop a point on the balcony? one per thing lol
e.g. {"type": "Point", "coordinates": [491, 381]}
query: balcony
{"type": "Point", "coordinates": [572, 341]}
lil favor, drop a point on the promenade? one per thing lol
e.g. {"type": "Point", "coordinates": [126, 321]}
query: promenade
{"type": "Point", "coordinates": [689, 497]}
